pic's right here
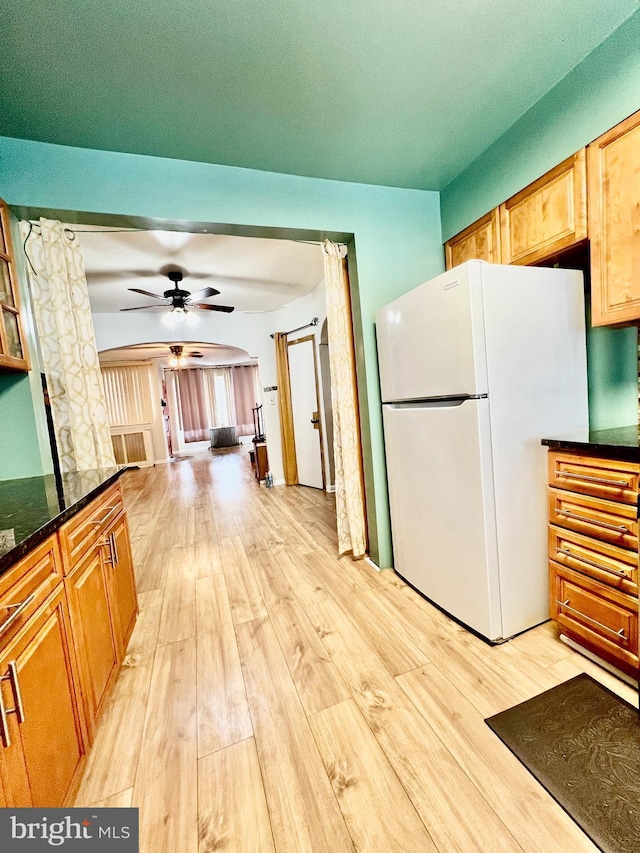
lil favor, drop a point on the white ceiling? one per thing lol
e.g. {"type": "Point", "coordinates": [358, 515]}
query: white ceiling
{"type": "Point", "coordinates": [251, 273]}
{"type": "Point", "coordinates": [212, 354]}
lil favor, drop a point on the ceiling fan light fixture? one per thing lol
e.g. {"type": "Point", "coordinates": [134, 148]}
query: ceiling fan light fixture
{"type": "Point", "coordinates": [177, 359]}
{"type": "Point", "coordinates": [178, 314]}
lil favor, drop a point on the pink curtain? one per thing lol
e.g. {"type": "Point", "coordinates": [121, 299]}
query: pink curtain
{"type": "Point", "coordinates": [193, 404]}
{"type": "Point", "coordinates": [244, 381]}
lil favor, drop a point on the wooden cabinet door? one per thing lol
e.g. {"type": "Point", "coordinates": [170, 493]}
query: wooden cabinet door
{"type": "Point", "coordinates": [480, 241]}
{"type": "Point", "coordinates": [4, 779]}
{"type": "Point", "coordinates": [548, 216]}
{"type": "Point", "coordinates": [122, 587]}
{"type": "Point", "coordinates": [46, 746]}
{"type": "Point", "coordinates": [94, 638]}
{"type": "Point", "coordinates": [614, 224]}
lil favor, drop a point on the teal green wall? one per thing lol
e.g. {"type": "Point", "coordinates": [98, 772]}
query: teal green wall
{"type": "Point", "coordinates": [398, 240]}
{"type": "Point", "coordinates": [601, 91]}
{"type": "Point", "coordinates": [19, 449]}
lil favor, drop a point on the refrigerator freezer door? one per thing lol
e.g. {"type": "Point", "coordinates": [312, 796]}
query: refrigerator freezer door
{"type": "Point", "coordinates": [442, 507]}
{"type": "Point", "coordinates": [431, 340]}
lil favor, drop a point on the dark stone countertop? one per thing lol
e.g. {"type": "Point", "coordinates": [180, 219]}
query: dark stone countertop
{"type": "Point", "coordinates": [616, 443]}
{"type": "Point", "coordinates": [34, 507]}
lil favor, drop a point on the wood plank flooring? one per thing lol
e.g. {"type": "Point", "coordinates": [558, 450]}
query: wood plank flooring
{"type": "Point", "coordinates": [277, 698]}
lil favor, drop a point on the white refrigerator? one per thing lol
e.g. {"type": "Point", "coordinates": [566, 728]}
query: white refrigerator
{"type": "Point", "coordinates": [476, 367]}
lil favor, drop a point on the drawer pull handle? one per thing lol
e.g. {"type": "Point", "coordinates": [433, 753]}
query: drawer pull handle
{"type": "Point", "coordinates": [17, 610]}
{"type": "Point", "coordinates": [110, 541]}
{"type": "Point", "coordinates": [621, 483]}
{"type": "Point", "coordinates": [18, 708]}
{"type": "Point", "coordinates": [99, 521]}
{"type": "Point", "coordinates": [4, 726]}
{"type": "Point", "coordinates": [107, 544]}
{"type": "Point", "coordinates": [619, 633]}
{"type": "Point", "coordinates": [595, 565]}
{"type": "Point", "coordinates": [588, 520]}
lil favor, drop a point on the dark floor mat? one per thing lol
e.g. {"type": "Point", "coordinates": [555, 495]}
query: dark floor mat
{"type": "Point", "coordinates": [582, 743]}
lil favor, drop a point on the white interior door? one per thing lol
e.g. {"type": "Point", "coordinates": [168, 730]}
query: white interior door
{"type": "Point", "coordinates": [306, 413]}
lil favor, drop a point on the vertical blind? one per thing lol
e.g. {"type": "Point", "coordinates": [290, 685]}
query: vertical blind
{"type": "Point", "coordinates": [128, 394]}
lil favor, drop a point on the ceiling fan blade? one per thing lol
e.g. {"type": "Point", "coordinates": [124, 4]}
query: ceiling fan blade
{"type": "Point", "coordinates": [140, 307]}
{"type": "Point", "coordinates": [148, 293]}
{"type": "Point", "coordinates": [226, 308]}
{"type": "Point", "coordinates": [205, 293]}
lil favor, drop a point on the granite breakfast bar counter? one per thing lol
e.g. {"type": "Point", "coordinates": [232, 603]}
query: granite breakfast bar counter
{"type": "Point", "coordinates": [615, 443]}
{"type": "Point", "coordinates": [34, 507]}
{"type": "Point", "coordinates": [68, 605]}
{"type": "Point", "coordinates": [594, 500]}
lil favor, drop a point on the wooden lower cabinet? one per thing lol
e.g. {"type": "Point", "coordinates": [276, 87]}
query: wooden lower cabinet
{"type": "Point", "coordinates": [602, 618]}
{"type": "Point", "coordinates": [122, 585]}
{"type": "Point", "coordinates": [593, 554]}
{"type": "Point", "coordinates": [63, 636]}
{"type": "Point", "coordinates": [44, 742]}
{"type": "Point", "coordinates": [95, 637]}
{"type": "Point", "coordinates": [4, 802]}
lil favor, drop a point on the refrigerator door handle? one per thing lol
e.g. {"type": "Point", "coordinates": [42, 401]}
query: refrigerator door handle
{"type": "Point", "coordinates": [435, 402]}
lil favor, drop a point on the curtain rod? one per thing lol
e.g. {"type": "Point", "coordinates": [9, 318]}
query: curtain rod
{"type": "Point", "coordinates": [314, 322]}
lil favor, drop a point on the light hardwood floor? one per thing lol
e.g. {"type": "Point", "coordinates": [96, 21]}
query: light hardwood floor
{"type": "Point", "coordinates": [277, 698]}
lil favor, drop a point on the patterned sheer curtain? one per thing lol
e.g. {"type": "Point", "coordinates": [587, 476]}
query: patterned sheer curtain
{"type": "Point", "coordinates": [193, 405]}
{"type": "Point", "coordinates": [244, 381]}
{"type": "Point", "coordinates": [347, 449]}
{"type": "Point", "coordinates": [68, 347]}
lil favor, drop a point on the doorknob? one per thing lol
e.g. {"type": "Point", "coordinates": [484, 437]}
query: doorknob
{"type": "Point", "coordinates": [315, 420]}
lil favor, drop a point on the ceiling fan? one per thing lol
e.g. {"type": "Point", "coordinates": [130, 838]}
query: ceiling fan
{"type": "Point", "coordinates": [178, 357]}
{"type": "Point", "coordinates": [180, 300]}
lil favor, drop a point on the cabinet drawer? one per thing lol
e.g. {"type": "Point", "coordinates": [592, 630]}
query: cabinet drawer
{"type": "Point", "coordinates": [606, 563]}
{"type": "Point", "coordinates": [82, 531]}
{"type": "Point", "coordinates": [26, 585]}
{"type": "Point", "coordinates": [603, 616]}
{"type": "Point", "coordinates": [601, 478]}
{"type": "Point", "coordinates": [605, 520]}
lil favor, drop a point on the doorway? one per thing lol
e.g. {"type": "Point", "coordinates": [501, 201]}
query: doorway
{"type": "Point", "coordinates": [307, 426]}
{"type": "Point", "coordinates": [115, 330]}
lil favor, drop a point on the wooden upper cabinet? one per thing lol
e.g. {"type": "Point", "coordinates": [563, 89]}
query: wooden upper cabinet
{"type": "Point", "coordinates": [480, 241]}
{"type": "Point", "coordinates": [614, 224]}
{"type": "Point", "coordinates": [548, 216]}
{"type": "Point", "coordinates": [13, 351]}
